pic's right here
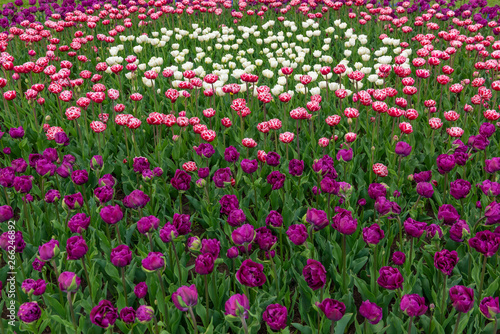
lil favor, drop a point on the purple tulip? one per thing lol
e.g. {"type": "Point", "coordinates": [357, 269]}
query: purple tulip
{"type": "Point", "coordinates": [44, 167]}
{"type": "Point", "coordinates": [64, 170]}
{"type": "Point", "coordinates": [7, 176]}
{"type": "Point", "coordinates": [76, 247]}
{"type": "Point", "coordinates": [203, 172]}
{"type": "Point", "coordinates": [460, 188]}
{"type": "Point", "coordinates": [49, 250]}
{"type": "Point", "coordinates": [140, 164]}
{"type": "Point", "coordinates": [144, 314]}
{"type": "Point", "coordinates": [434, 231]}
{"type": "Point", "coordinates": [22, 184]}
{"type": "Point", "coordinates": [185, 297]}
{"type": "Point", "coordinates": [243, 235]}
{"type": "Point", "coordinates": [459, 231]}
{"type": "Point", "coordinates": [329, 186]}
{"type": "Point", "coordinates": [121, 256]}
{"type": "Point", "coordinates": [168, 233]}
{"type": "Point", "coordinates": [413, 305]}
{"type": "Point", "coordinates": [251, 274]}
{"type": "Point", "coordinates": [445, 261]}
{"type": "Point", "coordinates": [148, 224]}
{"type": "Point", "coordinates": [19, 165]}
{"type": "Point", "coordinates": [136, 199]}
{"type": "Point", "coordinates": [371, 311]}
{"type": "Point", "coordinates": [104, 314]}
{"type": "Point", "coordinates": [231, 154]}
{"type": "Point", "coordinates": [249, 166]}
{"type": "Point", "coordinates": [232, 252]}
{"type": "Point", "coordinates": [489, 188]}
{"type": "Point", "coordinates": [373, 234]}
{"type": "Point", "coordinates": [492, 213]}
{"type": "Point", "coordinates": [376, 190]}
{"type": "Point", "coordinates": [403, 149]}
{"type": "Point", "coordinates": [6, 213]}
{"type": "Point", "coordinates": [16, 133]}
{"type": "Point", "coordinates": [236, 217]}
{"type": "Point", "coordinates": [127, 315]}
{"type": "Point", "coordinates": [237, 306]}
{"type": "Point", "coordinates": [210, 246]}
{"type": "Point", "coordinates": [425, 176]}
{"type": "Point", "coordinates": [462, 298]}
{"type": "Point", "coordinates": [314, 274]}
{"type": "Point", "coordinates": [96, 163]}
{"type": "Point", "coordinates": [485, 242]}
{"type": "Point", "coordinates": [425, 189]}
{"type": "Point", "coordinates": [297, 234]}
{"type": "Point", "coordinates": [273, 159]}
{"type": "Point", "coordinates": [205, 150]}
{"type": "Point", "coordinates": [29, 312]}
{"type": "Point", "coordinates": [153, 262]}
{"type": "Point", "coordinates": [78, 223]}
{"type": "Point", "coordinates": [492, 165]}
{"type": "Point", "coordinates": [390, 278]}
{"type": "Point", "coordinates": [222, 177]}
{"type": "Point", "coordinates": [345, 154]}
{"type": "Point", "coordinates": [73, 202]}
{"type": "Point", "coordinates": [265, 239]}
{"type": "Point", "coordinates": [69, 282]}
{"type": "Point", "coordinates": [448, 214]}
{"type": "Point", "coordinates": [111, 214]}
{"type": "Point", "coordinates": [333, 309]}
{"type": "Point", "coordinates": [204, 264]}
{"type": "Point", "coordinates": [228, 203]}
{"type": "Point", "coordinates": [385, 207]}
{"type": "Point", "coordinates": [104, 194]}
{"type": "Point", "coordinates": [414, 228]}
{"type": "Point", "coordinates": [6, 241]}
{"type": "Point", "coordinates": [274, 219]}
{"type": "Point", "coordinates": [32, 287]}
{"type": "Point", "coordinates": [344, 222]}
{"type": "Point", "coordinates": [107, 180]}
{"type": "Point", "coordinates": [275, 316]}
{"type": "Point", "coordinates": [79, 177]}
{"type": "Point", "coordinates": [141, 290]}
{"type": "Point", "coordinates": [317, 218]}
{"type": "Point", "coordinates": [182, 223]}
{"type": "Point", "coordinates": [276, 179]}
{"type": "Point", "coordinates": [445, 163]}
{"type": "Point", "coordinates": [489, 307]}
{"type": "Point", "coordinates": [479, 142]}
{"type": "Point", "coordinates": [296, 167]}
{"type": "Point", "coordinates": [487, 129]}
{"type": "Point", "coordinates": [398, 258]}
{"type": "Point", "coordinates": [181, 180]}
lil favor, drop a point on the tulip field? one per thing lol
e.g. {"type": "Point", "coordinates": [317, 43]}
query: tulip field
{"type": "Point", "coordinates": [265, 166]}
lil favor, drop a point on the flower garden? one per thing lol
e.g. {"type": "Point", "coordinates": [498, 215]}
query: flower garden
{"type": "Point", "coordinates": [249, 167]}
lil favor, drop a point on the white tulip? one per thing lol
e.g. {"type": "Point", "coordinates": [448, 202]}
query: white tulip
{"type": "Point", "coordinates": [347, 53]}
{"type": "Point", "coordinates": [137, 49]}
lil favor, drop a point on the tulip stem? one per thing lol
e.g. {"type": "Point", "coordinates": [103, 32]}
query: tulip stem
{"type": "Point", "coordinates": [244, 323]}
{"type": "Point", "coordinates": [124, 286]}
{"type": "Point", "coordinates": [180, 202]}
{"type": "Point", "coordinates": [165, 308]}
{"type": "Point", "coordinates": [193, 318]}
{"type": "Point", "coordinates": [332, 328]}
{"type": "Point", "coordinates": [344, 264]}
{"type": "Point", "coordinates": [177, 260]}
{"type": "Point", "coordinates": [409, 326]}
{"type": "Point", "coordinates": [70, 302]}
{"type": "Point", "coordinates": [88, 280]}
{"type": "Point", "coordinates": [118, 234]}
{"type": "Point", "coordinates": [455, 331]}
{"type": "Point", "coordinates": [206, 300]}
{"type": "Point", "coordinates": [275, 275]}
{"type": "Point", "coordinates": [214, 279]}
{"type": "Point", "coordinates": [482, 277]}
{"type": "Point", "coordinates": [444, 297]}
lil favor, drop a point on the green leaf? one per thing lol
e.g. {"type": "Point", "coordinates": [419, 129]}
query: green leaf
{"type": "Point", "coordinates": [302, 329]}
{"type": "Point", "coordinates": [342, 324]}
